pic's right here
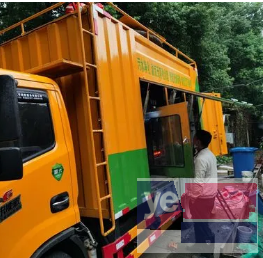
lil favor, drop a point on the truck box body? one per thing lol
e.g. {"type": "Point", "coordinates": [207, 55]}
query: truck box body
{"type": "Point", "coordinates": [123, 57]}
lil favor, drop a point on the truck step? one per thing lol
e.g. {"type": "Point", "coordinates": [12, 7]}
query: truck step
{"type": "Point", "coordinates": [94, 98]}
{"type": "Point", "coordinates": [88, 32]}
{"type": "Point", "coordinates": [90, 65]}
{"type": "Point", "coordinates": [101, 164]}
{"type": "Point", "coordinates": [105, 197]}
{"type": "Point", "coordinates": [97, 131]}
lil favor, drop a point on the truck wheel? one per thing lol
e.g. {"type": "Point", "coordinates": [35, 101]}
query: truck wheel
{"type": "Point", "coordinates": [57, 254]}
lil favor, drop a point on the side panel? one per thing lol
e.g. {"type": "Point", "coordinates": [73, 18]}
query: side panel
{"type": "Point", "coordinates": [133, 164]}
{"type": "Point", "coordinates": [157, 65]}
{"type": "Point", "coordinates": [125, 57]}
{"type": "Point", "coordinates": [212, 121]}
{"type": "Point", "coordinates": [122, 112]}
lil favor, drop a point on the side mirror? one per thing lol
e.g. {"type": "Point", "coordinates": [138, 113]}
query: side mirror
{"type": "Point", "coordinates": [11, 165]}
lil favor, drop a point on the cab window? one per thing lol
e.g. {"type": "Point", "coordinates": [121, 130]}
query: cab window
{"type": "Point", "coordinates": [37, 128]}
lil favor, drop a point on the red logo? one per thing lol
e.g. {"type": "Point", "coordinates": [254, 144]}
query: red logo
{"type": "Point", "coordinates": [7, 195]}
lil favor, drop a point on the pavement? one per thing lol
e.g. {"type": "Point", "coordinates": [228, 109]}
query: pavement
{"type": "Point", "coordinates": [160, 249]}
{"type": "Point", "coordinates": [222, 231]}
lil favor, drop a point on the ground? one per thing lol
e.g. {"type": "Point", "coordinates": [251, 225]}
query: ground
{"type": "Point", "coordinates": [159, 249]}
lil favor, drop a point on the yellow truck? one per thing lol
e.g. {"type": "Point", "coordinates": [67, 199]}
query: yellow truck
{"type": "Point", "coordinates": [89, 104]}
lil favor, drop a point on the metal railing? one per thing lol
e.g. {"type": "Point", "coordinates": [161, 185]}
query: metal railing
{"type": "Point", "coordinates": [22, 23]}
{"type": "Point", "coordinates": [149, 32]}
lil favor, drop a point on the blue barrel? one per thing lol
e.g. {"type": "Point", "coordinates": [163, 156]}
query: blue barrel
{"type": "Point", "coordinates": [243, 159]}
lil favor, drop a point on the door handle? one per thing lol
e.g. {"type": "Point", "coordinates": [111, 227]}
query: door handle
{"type": "Point", "coordinates": [59, 202]}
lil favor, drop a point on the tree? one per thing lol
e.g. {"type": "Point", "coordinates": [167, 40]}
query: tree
{"type": "Point", "coordinates": [225, 39]}
{"type": "Point", "coordinates": [12, 13]}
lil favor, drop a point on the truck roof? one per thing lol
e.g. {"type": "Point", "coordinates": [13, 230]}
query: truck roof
{"type": "Point", "coordinates": [27, 76]}
{"type": "Point", "coordinates": [27, 80]}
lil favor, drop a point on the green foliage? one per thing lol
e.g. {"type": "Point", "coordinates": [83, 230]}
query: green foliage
{"type": "Point", "coordinates": [224, 160]}
{"type": "Point", "coordinates": [224, 38]}
{"type": "Point", "coordinates": [11, 13]}
{"type": "Point", "coordinates": [112, 11]}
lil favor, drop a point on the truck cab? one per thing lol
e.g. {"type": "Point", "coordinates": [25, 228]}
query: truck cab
{"type": "Point", "coordinates": [47, 192]}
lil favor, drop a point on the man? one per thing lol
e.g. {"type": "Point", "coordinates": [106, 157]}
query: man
{"type": "Point", "coordinates": [203, 189]}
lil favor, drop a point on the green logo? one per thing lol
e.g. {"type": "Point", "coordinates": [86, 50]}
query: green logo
{"type": "Point", "coordinates": [57, 171]}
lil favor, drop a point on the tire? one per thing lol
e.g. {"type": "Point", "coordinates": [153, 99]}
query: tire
{"type": "Point", "coordinates": [57, 254]}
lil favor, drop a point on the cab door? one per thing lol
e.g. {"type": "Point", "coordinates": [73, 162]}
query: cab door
{"type": "Point", "coordinates": [168, 141]}
{"type": "Point", "coordinates": [212, 121]}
